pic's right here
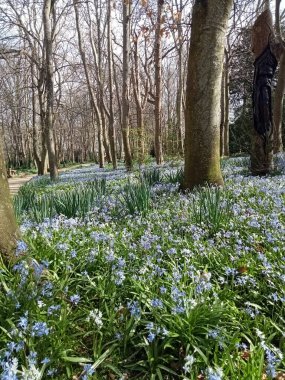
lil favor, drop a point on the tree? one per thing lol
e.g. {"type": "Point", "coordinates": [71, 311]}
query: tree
{"type": "Point", "coordinates": [157, 99]}
{"type": "Point", "coordinates": [8, 226]}
{"type": "Point", "coordinates": [203, 93]}
{"type": "Point", "coordinates": [265, 53]}
{"type": "Point", "coordinates": [127, 4]}
{"type": "Point", "coordinates": [92, 95]}
{"type": "Point", "coordinates": [280, 88]}
{"type": "Point", "coordinates": [49, 31]}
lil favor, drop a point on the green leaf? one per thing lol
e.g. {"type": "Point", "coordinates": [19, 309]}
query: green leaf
{"type": "Point", "coordinates": [76, 359]}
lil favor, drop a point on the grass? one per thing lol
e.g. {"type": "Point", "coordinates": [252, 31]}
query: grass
{"type": "Point", "coordinates": [139, 281]}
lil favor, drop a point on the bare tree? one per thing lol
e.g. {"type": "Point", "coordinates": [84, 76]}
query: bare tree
{"type": "Point", "coordinates": [49, 31]}
{"type": "Point", "coordinates": [126, 75]}
{"type": "Point", "coordinates": [157, 99]}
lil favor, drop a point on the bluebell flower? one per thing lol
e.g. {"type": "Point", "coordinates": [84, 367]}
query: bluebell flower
{"type": "Point", "coordinates": [75, 298]}
{"type": "Point", "coordinates": [51, 372]}
{"type": "Point", "coordinates": [151, 336]}
{"type": "Point", "coordinates": [214, 374]}
{"type": "Point", "coordinates": [40, 329]}
{"type": "Point", "coordinates": [9, 369]}
{"type": "Point", "coordinates": [53, 309]}
{"type": "Point", "coordinates": [89, 370]}
{"type": "Point", "coordinates": [163, 289]}
{"type": "Point", "coordinates": [134, 308]}
{"type": "Point", "coordinates": [157, 303]}
{"type": "Point", "coordinates": [23, 322]}
{"type": "Point", "coordinates": [21, 247]}
{"type": "Point", "coordinates": [213, 334]}
{"type": "Point", "coordinates": [189, 360]}
{"type": "Point", "coordinates": [178, 309]}
{"type": "Point", "coordinates": [45, 361]}
{"type": "Point", "coordinates": [119, 277]}
{"type": "Point", "coordinates": [32, 358]}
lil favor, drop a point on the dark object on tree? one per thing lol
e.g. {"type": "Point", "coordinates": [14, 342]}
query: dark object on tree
{"type": "Point", "coordinates": [152, 151]}
{"type": "Point", "coordinates": [265, 67]}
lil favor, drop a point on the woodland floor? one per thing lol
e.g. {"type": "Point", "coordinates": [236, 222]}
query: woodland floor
{"type": "Point", "coordinates": [16, 182]}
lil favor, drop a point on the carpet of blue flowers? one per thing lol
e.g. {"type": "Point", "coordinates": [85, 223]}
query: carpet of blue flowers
{"type": "Point", "coordinates": [149, 283]}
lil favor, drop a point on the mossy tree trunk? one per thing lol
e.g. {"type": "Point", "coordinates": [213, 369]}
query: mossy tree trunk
{"type": "Point", "coordinates": [8, 226]}
{"type": "Point", "coordinates": [202, 116]}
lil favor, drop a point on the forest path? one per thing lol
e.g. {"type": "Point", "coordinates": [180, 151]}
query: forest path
{"type": "Point", "coordinates": [16, 182]}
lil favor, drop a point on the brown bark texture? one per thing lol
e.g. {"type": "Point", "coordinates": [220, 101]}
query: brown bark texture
{"type": "Point", "coordinates": [278, 107]}
{"type": "Point", "coordinates": [202, 114]}
{"type": "Point", "coordinates": [157, 100]}
{"type": "Point", "coordinates": [262, 135]}
{"type": "Point", "coordinates": [8, 227]}
{"type": "Point", "coordinates": [49, 82]}
{"type": "Point", "coordinates": [126, 85]}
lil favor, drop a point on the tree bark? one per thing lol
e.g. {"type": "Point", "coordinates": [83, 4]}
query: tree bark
{"type": "Point", "coordinates": [262, 135]}
{"type": "Point", "coordinates": [157, 99]}
{"type": "Point", "coordinates": [111, 129]}
{"type": "Point", "coordinates": [49, 127]}
{"type": "Point", "coordinates": [227, 107]}
{"type": "Point", "coordinates": [140, 103]}
{"type": "Point", "coordinates": [278, 107]}
{"type": "Point", "coordinates": [126, 74]}
{"type": "Point", "coordinates": [202, 117]}
{"type": "Point", "coordinates": [8, 227]}
{"type": "Point", "coordinates": [93, 103]}
{"type": "Point", "coordinates": [222, 117]}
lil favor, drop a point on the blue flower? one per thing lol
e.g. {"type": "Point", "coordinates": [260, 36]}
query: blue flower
{"type": "Point", "coordinates": [89, 370]}
{"type": "Point", "coordinates": [134, 308]}
{"type": "Point", "coordinates": [151, 336]}
{"type": "Point", "coordinates": [157, 303]}
{"type": "Point", "coordinates": [45, 361]}
{"type": "Point", "coordinates": [21, 247]}
{"type": "Point", "coordinates": [53, 308]}
{"type": "Point", "coordinates": [214, 374]}
{"type": "Point", "coordinates": [23, 323]}
{"type": "Point", "coordinates": [32, 358]}
{"type": "Point", "coordinates": [75, 299]}
{"type": "Point", "coordinates": [40, 329]}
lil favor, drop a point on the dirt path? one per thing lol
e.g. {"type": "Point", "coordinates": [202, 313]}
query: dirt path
{"type": "Point", "coordinates": [16, 182]}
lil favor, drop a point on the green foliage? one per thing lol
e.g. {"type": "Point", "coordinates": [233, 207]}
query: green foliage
{"type": "Point", "coordinates": [151, 176]}
{"type": "Point", "coordinates": [174, 176]}
{"type": "Point", "coordinates": [74, 202]}
{"type": "Point", "coordinates": [211, 208]}
{"type": "Point", "coordinates": [136, 197]}
{"type": "Point", "coordinates": [191, 287]}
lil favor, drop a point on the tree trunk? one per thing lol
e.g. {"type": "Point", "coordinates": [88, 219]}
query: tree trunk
{"type": "Point", "coordinates": [93, 103]}
{"type": "Point", "coordinates": [265, 66]}
{"type": "Point", "coordinates": [222, 118]}
{"type": "Point", "coordinates": [126, 74]}
{"type": "Point", "coordinates": [180, 84]}
{"type": "Point", "coordinates": [8, 226]}
{"type": "Point", "coordinates": [140, 105]}
{"type": "Point", "coordinates": [157, 99]}
{"type": "Point", "coordinates": [111, 129]}
{"type": "Point", "coordinates": [278, 107]}
{"type": "Point", "coordinates": [227, 107]}
{"type": "Point", "coordinates": [49, 130]}
{"type": "Point", "coordinates": [202, 117]}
